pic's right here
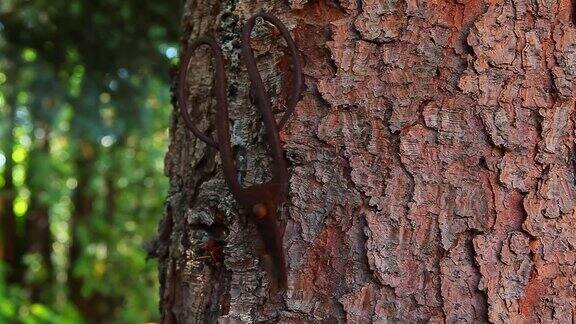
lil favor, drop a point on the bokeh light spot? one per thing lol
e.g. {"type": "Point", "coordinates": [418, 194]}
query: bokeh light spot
{"type": "Point", "coordinates": [23, 97]}
{"type": "Point", "coordinates": [29, 55]}
{"type": "Point", "coordinates": [105, 97]}
{"type": "Point", "coordinates": [123, 73]}
{"type": "Point", "coordinates": [113, 85]}
{"type": "Point", "coordinates": [19, 175]}
{"type": "Point", "coordinates": [171, 52]}
{"type": "Point", "coordinates": [20, 206]}
{"type": "Point", "coordinates": [19, 155]}
{"type": "Point", "coordinates": [107, 141]}
{"type": "Point", "coordinates": [71, 183]}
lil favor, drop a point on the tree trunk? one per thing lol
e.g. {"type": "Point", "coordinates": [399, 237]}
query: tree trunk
{"type": "Point", "coordinates": [12, 247]}
{"type": "Point", "coordinates": [95, 307]}
{"type": "Point", "coordinates": [37, 224]}
{"type": "Point", "coordinates": [431, 163]}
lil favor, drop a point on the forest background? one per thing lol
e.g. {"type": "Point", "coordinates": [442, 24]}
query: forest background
{"type": "Point", "coordinates": [84, 111]}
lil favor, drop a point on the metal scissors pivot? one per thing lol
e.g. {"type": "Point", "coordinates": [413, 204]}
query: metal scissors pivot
{"type": "Point", "coordinates": [260, 200]}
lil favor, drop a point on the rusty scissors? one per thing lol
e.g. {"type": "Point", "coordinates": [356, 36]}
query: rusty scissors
{"type": "Point", "coordinates": [260, 200]}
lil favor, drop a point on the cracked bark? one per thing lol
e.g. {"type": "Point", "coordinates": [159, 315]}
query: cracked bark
{"type": "Point", "coordinates": [431, 166]}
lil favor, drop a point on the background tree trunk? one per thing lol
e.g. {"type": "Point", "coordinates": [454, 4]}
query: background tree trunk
{"type": "Point", "coordinates": [431, 162]}
{"type": "Point", "coordinates": [12, 249]}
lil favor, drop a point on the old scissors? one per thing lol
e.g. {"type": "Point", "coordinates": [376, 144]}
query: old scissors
{"type": "Point", "coordinates": [260, 200]}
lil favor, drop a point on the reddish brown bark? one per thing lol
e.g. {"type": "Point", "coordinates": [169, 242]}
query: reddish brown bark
{"type": "Point", "coordinates": [431, 162]}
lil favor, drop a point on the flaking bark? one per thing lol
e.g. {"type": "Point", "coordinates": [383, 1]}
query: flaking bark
{"type": "Point", "coordinates": [431, 163]}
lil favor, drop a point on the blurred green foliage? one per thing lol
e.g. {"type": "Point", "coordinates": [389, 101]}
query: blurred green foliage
{"type": "Point", "coordinates": [84, 110]}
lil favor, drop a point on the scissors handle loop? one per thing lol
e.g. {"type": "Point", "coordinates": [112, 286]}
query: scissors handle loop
{"type": "Point", "coordinates": [277, 187]}
{"type": "Point", "coordinates": [220, 88]}
{"type": "Point", "coordinates": [253, 73]}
